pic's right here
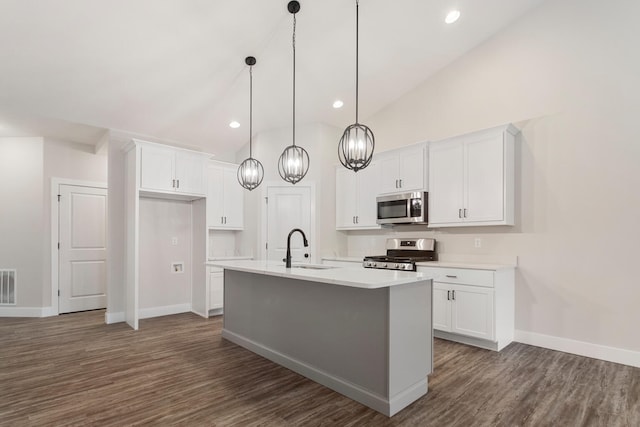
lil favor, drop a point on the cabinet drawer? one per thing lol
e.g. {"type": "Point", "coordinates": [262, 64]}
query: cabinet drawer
{"type": "Point", "coordinates": [461, 276]}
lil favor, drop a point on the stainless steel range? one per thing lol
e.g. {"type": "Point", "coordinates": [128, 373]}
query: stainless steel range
{"type": "Point", "coordinates": [402, 254]}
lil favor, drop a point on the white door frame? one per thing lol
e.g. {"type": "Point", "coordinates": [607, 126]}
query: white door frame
{"type": "Point", "coordinates": [54, 310]}
{"type": "Point", "coordinates": [264, 214]}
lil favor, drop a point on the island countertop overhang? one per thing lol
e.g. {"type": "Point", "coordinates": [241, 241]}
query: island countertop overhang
{"type": "Point", "coordinates": [363, 278]}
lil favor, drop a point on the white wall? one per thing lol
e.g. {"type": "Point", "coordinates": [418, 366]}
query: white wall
{"type": "Point", "coordinates": [160, 222]}
{"type": "Point", "coordinates": [568, 76]}
{"type": "Point", "coordinates": [21, 216]}
{"type": "Point", "coordinates": [26, 168]}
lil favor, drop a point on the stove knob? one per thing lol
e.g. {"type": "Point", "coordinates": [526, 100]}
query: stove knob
{"type": "Point", "coordinates": [382, 265]}
{"type": "Point", "coordinates": [397, 266]}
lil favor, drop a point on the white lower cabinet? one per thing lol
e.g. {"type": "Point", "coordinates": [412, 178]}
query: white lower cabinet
{"type": "Point", "coordinates": [473, 306]}
{"type": "Point", "coordinates": [215, 289]}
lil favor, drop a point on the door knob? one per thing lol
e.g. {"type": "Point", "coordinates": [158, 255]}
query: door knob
{"type": "Point", "coordinates": [306, 255]}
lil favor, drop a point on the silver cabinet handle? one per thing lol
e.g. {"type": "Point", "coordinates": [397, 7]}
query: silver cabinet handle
{"type": "Point", "coordinates": [177, 183]}
{"type": "Point", "coordinates": [221, 220]}
{"type": "Point", "coordinates": [464, 211]}
{"type": "Point", "coordinates": [451, 276]}
{"type": "Point", "coordinates": [453, 295]}
{"type": "Point", "coordinates": [173, 183]}
{"type": "Point", "coordinates": [357, 219]}
{"type": "Point", "coordinates": [400, 183]}
{"type": "Point", "coordinates": [459, 213]}
{"type": "Point", "coordinates": [448, 295]}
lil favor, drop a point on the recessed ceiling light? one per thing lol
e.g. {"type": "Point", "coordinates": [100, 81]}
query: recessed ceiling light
{"type": "Point", "coordinates": [234, 124]}
{"type": "Point", "coordinates": [337, 103]}
{"type": "Point", "coordinates": [452, 16]}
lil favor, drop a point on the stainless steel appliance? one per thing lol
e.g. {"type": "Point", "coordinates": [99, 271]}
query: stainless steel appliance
{"type": "Point", "coordinates": [402, 254]}
{"type": "Point", "coordinates": [405, 208]}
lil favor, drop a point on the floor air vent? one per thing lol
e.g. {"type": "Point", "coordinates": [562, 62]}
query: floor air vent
{"type": "Point", "coordinates": [7, 287]}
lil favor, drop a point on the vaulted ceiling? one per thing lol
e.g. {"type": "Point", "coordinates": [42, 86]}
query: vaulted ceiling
{"type": "Point", "coordinates": [174, 69]}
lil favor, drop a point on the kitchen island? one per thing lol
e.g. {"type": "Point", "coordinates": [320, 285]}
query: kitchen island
{"type": "Point", "coordinates": [364, 333]}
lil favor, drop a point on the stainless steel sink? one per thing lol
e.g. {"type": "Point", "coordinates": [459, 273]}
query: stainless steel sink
{"type": "Point", "coordinates": [314, 266]}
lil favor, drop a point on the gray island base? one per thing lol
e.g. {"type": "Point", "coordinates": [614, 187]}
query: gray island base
{"type": "Point", "coordinates": [371, 344]}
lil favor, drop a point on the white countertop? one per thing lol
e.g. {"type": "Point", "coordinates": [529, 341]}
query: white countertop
{"type": "Point", "coordinates": [228, 258]}
{"type": "Point", "coordinates": [471, 266]}
{"type": "Point", "coordinates": [343, 258]}
{"type": "Point", "coordinates": [356, 277]}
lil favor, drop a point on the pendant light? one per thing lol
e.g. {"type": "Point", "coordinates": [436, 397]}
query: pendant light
{"type": "Point", "coordinates": [250, 172]}
{"type": "Point", "coordinates": [355, 149]}
{"type": "Point", "coordinates": [293, 164]}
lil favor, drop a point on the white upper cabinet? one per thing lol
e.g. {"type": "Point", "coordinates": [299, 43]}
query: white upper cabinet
{"type": "Point", "coordinates": [225, 197]}
{"type": "Point", "coordinates": [471, 179]}
{"type": "Point", "coordinates": [356, 197]}
{"type": "Point", "coordinates": [403, 170]}
{"type": "Point", "coordinates": [173, 170]}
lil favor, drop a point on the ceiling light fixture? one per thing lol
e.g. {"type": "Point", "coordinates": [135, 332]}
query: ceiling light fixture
{"type": "Point", "coordinates": [234, 125]}
{"type": "Point", "coordinates": [293, 164]}
{"type": "Point", "coordinates": [250, 172]}
{"type": "Point", "coordinates": [337, 103]}
{"type": "Point", "coordinates": [452, 16]}
{"type": "Point", "coordinates": [356, 146]}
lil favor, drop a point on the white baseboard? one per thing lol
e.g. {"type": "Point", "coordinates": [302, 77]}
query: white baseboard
{"type": "Point", "coordinates": [26, 311]}
{"type": "Point", "coordinates": [146, 313]}
{"type": "Point", "coordinates": [581, 348]}
{"type": "Point", "coordinates": [110, 318]}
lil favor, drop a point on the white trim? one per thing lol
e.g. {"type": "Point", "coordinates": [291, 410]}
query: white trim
{"type": "Point", "coordinates": [311, 185]}
{"type": "Point", "coordinates": [55, 217]}
{"type": "Point", "coordinates": [596, 351]}
{"type": "Point", "coordinates": [110, 318]}
{"type": "Point", "coordinates": [6, 311]}
{"type": "Point", "coordinates": [146, 313]}
{"type": "Point", "coordinates": [48, 312]}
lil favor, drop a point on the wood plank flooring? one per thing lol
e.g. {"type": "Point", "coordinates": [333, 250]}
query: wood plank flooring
{"type": "Point", "coordinates": [177, 370]}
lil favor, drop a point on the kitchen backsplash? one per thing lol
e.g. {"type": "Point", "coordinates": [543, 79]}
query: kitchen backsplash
{"type": "Point", "coordinates": [455, 247]}
{"type": "Point", "coordinates": [222, 244]}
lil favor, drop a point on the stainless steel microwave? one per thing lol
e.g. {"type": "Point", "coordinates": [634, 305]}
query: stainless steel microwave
{"type": "Point", "coordinates": [405, 208]}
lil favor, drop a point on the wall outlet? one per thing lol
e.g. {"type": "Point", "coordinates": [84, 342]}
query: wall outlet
{"type": "Point", "coordinates": [177, 267]}
{"type": "Point", "coordinates": [174, 241]}
{"type": "Point", "coordinates": [477, 242]}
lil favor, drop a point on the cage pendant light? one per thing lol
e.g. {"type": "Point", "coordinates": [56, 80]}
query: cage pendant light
{"type": "Point", "coordinates": [355, 149]}
{"type": "Point", "coordinates": [250, 172]}
{"type": "Point", "coordinates": [293, 164]}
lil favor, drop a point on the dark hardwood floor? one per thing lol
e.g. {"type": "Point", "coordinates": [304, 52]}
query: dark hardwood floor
{"type": "Point", "coordinates": [177, 370]}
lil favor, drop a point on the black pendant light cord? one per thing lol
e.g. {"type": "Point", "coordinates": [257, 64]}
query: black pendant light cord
{"type": "Point", "coordinates": [357, 73]}
{"type": "Point", "coordinates": [294, 78]}
{"type": "Point", "coordinates": [250, 111]}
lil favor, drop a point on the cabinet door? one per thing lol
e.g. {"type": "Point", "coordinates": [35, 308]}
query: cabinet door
{"type": "Point", "coordinates": [233, 200]}
{"type": "Point", "coordinates": [368, 183]}
{"type": "Point", "coordinates": [216, 290]}
{"type": "Point", "coordinates": [346, 197]}
{"type": "Point", "coordinates": [411, 169]}
{"type": "Point", "coordinates": [472, 311]}
{"type": "Point", "coordinates": [441, 307]}
{"type": "Point", "coordinates": [189, 172]}
{"type": "Point", "coordinates": [215, 197]}
{"type": "Point", "coordinates": [389, 174]}
{"type": "Point", "coordinates": [446, 181]}
{"type": "Point", "coordinates": [484, 164]}
{"type": "Point", "coordinates": [157, 168]}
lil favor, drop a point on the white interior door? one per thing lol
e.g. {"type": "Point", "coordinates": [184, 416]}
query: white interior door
{"type": "Point", "coordinates": [289, 207]}
{"type": "Point", "coordinates": [82, 280]}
